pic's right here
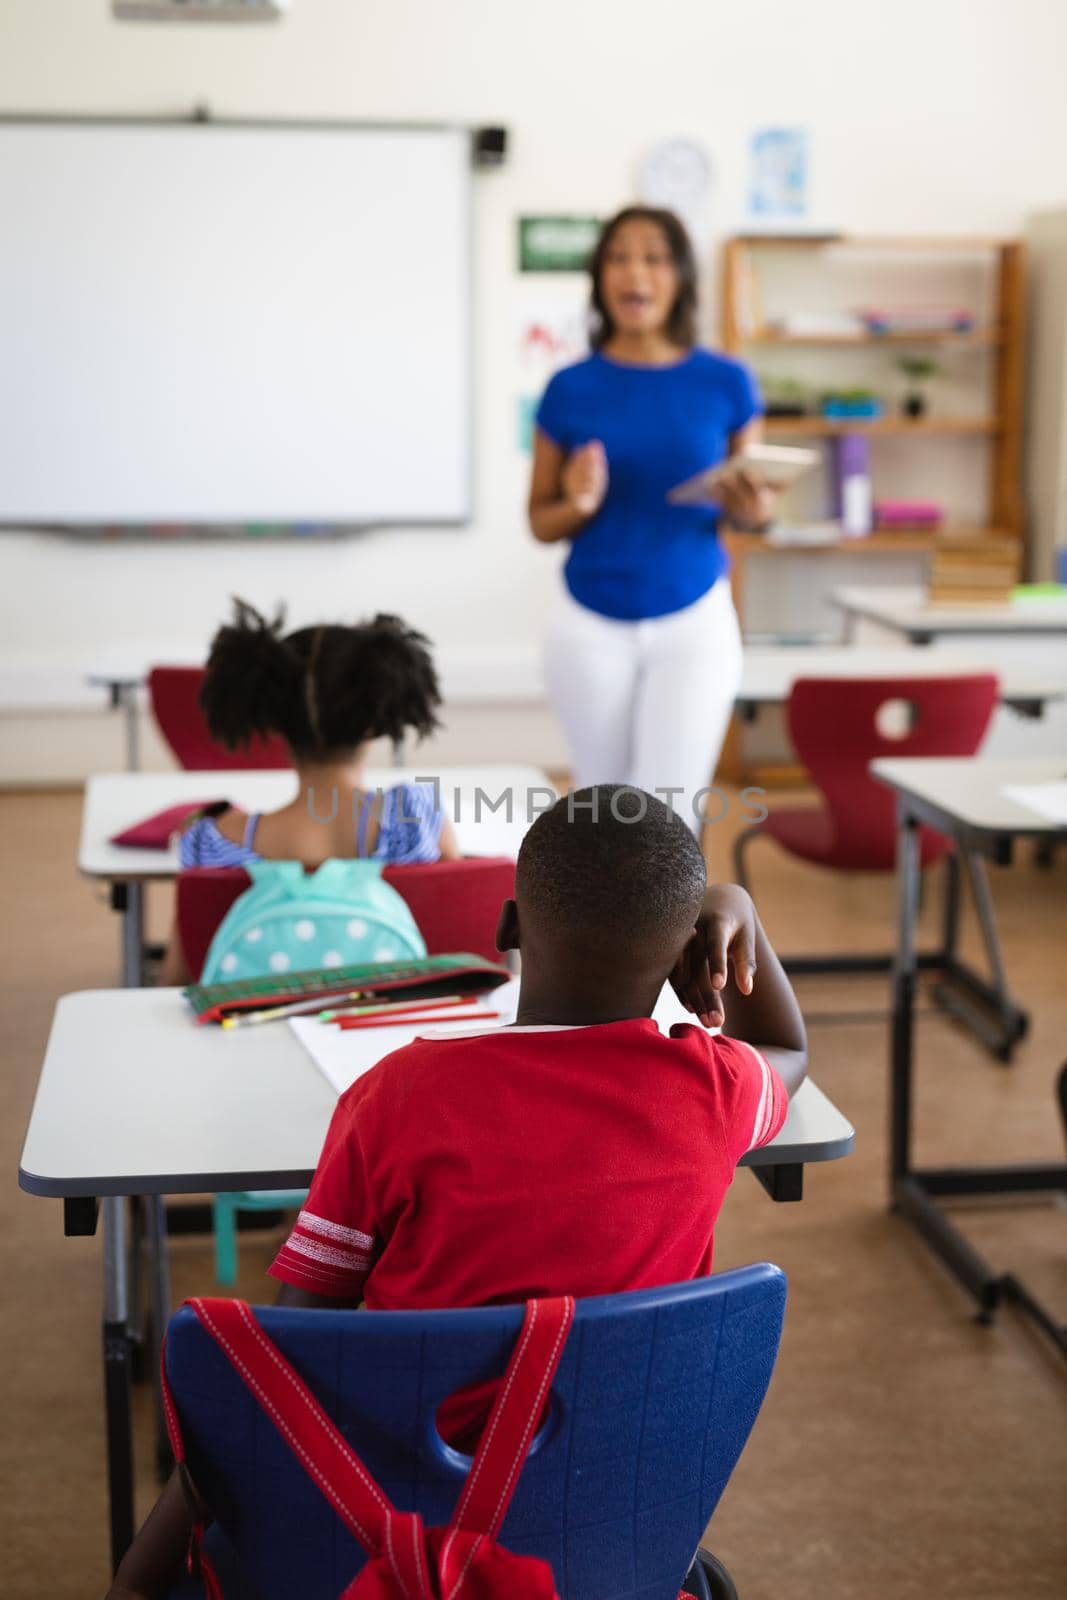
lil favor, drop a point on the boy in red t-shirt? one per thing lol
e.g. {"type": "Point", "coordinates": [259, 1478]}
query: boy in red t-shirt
{"type": "Point", "coordinates": [579, 1151]}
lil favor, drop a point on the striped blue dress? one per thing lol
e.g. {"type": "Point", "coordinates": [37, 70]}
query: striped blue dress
{"type": "Point", "coordinates": [409, 831]}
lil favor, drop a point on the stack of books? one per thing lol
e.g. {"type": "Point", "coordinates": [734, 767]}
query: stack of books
{"type": "Point", "coordinates": [973, 571]}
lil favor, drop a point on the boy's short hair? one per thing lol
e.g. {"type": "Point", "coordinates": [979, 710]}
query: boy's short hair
{"type": "Point", "coordinates": [612, 866]}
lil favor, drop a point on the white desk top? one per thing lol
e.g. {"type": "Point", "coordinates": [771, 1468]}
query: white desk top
{"type": "Point", "coordinates": [970, 790]}
{"type": "Point", "coordinates": [769, 672]}
{"type": "Point", "coordinates": [115, 800]}
{"type": "Point", "coordinates": [128, 664]}
{"type": "Point", "coordinates": [469, 674]}
{"type": "Point", "coordinates": [908, 610]}
{"type": "Point", "coordinates": [136, 1098]}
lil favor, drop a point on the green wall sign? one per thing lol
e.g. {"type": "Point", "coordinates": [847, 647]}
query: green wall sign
{"type": "Point", "coordinates": [556, 244]}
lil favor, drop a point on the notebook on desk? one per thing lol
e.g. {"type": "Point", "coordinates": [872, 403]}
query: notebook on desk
{"type": "Point", "coordinates": [344, 1057]}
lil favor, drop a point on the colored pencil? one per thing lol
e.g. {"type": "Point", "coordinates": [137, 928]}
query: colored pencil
{"type": "Point", "coordinates": [396, 1005]}
{"type": "Point", "coordinates": [293, 1008]}
{"type": "Point", "coordinates": [348, 1024]}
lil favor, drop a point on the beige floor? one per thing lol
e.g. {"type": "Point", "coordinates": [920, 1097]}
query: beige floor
{"type": "Point", "coordinates": [902, 1452]}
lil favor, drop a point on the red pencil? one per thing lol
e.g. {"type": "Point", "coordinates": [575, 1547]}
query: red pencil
{"type": "Point", "coordinates": [397, 1007]}
{"type": "Point", "coordinates": [349, 1023]}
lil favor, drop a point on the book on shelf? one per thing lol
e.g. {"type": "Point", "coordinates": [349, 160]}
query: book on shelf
{"type": "Point", "coordinates": [978, 571]}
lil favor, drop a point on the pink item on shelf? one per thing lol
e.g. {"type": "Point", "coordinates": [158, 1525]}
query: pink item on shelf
{"type": "Point", "coordinates": [889, 514]}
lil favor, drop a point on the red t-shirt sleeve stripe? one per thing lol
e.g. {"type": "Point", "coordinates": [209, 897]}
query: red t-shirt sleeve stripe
{"type": "Point", "coordinates": [773, 1104]}
{"type": "Point", "coordinates": [325, 1255]}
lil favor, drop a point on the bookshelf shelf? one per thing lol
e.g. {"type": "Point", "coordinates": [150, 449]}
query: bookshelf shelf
{"type": "Point", "coordinates": [746, 547]}
{"type": "Point", "coordinates": [828, 427]}
{"type": "Point", "coordinates": [978, 338]}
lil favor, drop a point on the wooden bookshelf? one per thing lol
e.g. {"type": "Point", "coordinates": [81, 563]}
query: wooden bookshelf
{"type": "Point", "coordinates": [989, 415]}
{"type": "Point", "coordinates": [1001, 332]}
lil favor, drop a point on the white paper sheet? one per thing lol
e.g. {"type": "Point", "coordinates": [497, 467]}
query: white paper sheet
{"type": "Point", "coordinates": [1049, 800]}
{"type": "Point", "coordinates": [343, 1055]}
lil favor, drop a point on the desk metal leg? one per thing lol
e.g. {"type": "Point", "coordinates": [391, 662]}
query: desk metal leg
{"type": "Point", "coordinates": [159, 1288]}
{"type": "Point", "coordinates": [128, 699]}
{"type": "Point", "coordinates": [904, 981]}
{"type": "Point", "coordinates": [132, 935]}
{"type": "Point", "coordinates": [968, 996]}
{"type": "Point", "coordinates": [951, 923]}
{"type": "Point", "coordinates": [117, 1378]}
{"type": "Point", "coordinates": [784, 1181]}
{"type": "Point", "coordinates": [915, 1193]}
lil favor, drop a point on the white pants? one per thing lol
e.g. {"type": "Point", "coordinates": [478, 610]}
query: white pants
{"type": "Point", "coordinates": [645, 703]}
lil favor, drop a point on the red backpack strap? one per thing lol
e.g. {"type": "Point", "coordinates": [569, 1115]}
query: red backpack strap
{"type": "Point", "coordinates": [513, 1420]}
{"type": "Point", "coordinates": [197, 1564]}
{"type": "Point", "coordinates": [321, 1449]}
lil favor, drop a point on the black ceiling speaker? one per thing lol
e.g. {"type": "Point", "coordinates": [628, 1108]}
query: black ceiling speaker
{"type": "Point", "coordinates": [489, 147]}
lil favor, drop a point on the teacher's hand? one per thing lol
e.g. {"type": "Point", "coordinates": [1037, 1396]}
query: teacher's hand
{"type": "Point", "coordinates": [748, 502]}
{"type": "Point", "coordinates": [585, 478]}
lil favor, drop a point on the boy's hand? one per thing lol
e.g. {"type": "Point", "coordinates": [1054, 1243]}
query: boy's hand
{"type": "Point", "coordinates": [725, 936]}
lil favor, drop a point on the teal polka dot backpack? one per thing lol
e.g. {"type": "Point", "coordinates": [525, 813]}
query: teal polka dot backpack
{"type": "Point", "coordinates": [340, 915]}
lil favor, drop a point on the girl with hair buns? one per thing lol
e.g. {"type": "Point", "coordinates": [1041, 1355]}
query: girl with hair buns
{"type": "Point", "coordinates": [330, 691]}
{"type": "Point", "coordinates": [643, 654]}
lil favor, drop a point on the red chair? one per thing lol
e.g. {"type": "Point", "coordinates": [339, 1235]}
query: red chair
{"type": "Point", "coordinates": [455, 903]}
{"type": "Point", "coordinates": [833, 726]}
{"type": "Point", "coordinates": [175, 696]}
{"type": "Point", "coordinates": [834, 730]}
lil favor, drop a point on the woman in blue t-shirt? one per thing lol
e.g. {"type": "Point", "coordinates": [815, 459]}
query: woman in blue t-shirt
{"type": "Point", "coordinates": [643, 654]}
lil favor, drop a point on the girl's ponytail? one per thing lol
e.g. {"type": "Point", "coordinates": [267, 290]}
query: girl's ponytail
{"type": "Point", "coordinates": [253, 680]}
{"type": "Point", "coordinates": [376, 681]}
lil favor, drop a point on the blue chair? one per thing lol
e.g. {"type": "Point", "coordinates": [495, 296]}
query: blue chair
{"type": "Point", "coordinates": [653, 1402]}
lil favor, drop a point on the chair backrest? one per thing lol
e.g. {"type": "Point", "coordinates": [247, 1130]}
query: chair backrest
{"type": "Point", "coordinates": [834, 728]}
{"type": "Point", "coordinates": [174, 693]}
{"type": "Point", "coordinates": [455, 903]}
{"type": "Point", "coordinates": [654, 1398]}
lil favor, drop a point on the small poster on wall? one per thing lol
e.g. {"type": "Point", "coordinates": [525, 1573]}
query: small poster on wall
{"type": "Point", "coordinates": [556, 244]}
{"type": "Point", "coordinates": [552, 333]}
{"type": "Point", "coordinates": [778, 185]}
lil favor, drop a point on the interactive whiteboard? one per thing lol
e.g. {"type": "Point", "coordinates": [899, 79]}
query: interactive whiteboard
{"type": "Point", "coordinates": [234, 323]}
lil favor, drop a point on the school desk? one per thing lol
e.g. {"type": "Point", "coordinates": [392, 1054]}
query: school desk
{"type": "Point", "coordinates": [135, 1099]}
{"type": "Point", "coordinates": [115, 800]}
{"type": "Point", "coordinates": [964, 798]}
{"type": "Point", "coordinates": [122, 670]}
{"type": "Point", "coordinates": [908, 612]}
{"type": "Point", "coordinates": [473, 675]}
{"type": "Point", "coordinates": [769, 672]}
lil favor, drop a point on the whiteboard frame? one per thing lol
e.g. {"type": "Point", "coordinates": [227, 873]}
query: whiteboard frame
{"type": "Point", "coordinates": [159, 531]}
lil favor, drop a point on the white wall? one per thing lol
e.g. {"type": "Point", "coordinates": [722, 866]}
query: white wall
{"type": "Point", "coordinates": [927, 115]}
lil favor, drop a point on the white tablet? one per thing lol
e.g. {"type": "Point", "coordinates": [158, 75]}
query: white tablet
{"type": "Point", "coordinates": [776, 465]}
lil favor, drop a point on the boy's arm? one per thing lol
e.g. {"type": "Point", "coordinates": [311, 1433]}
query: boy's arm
{"type": "Point", "coordinates": [304, 1300]}
{"type": "Point", "coordinates": [156, 1559]}
{"type": "Point", "coordinates": [729, 975]}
